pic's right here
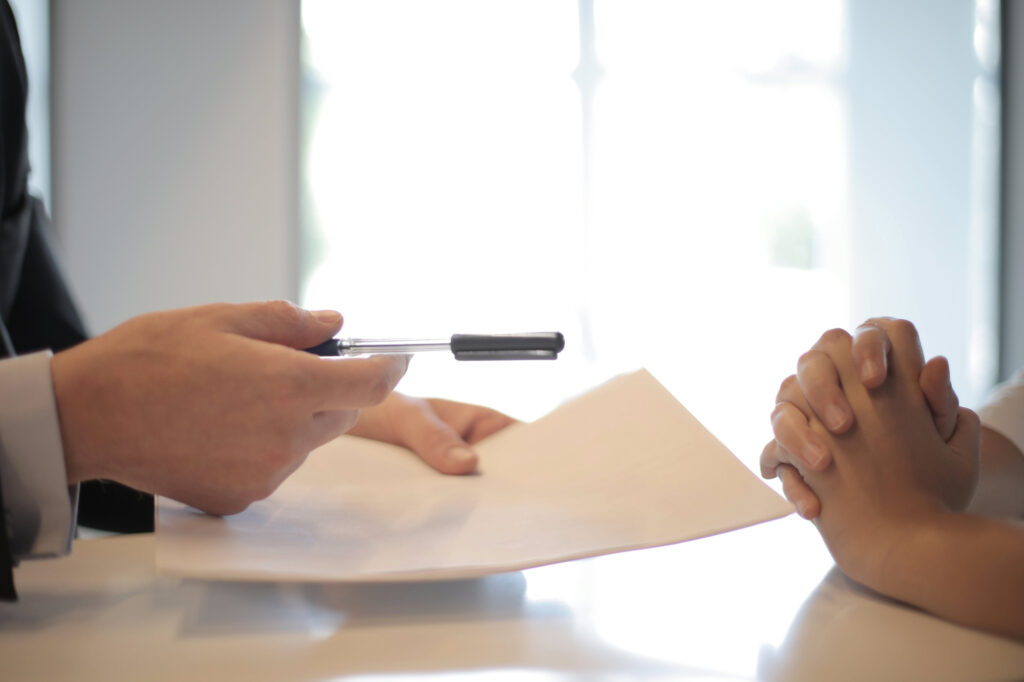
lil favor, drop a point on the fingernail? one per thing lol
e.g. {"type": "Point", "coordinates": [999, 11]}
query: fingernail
{"type": "Point", "coordinates": [460, 455]}
{"type": "Point", "coordinates": [869, 370]}
{"type": "Point", "coordinates": [801, 509]}
{"type": "Point", "coordinates": [327, 316]}
{"type": "Point", "coordinates": [835, 416]}
{"type": "Point", "coordinates": [814, 454]}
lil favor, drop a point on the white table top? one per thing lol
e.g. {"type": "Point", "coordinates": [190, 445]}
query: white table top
{"type": "Point", "coordinates": [735, 607]}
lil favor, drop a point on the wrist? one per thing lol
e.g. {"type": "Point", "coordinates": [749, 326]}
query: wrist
{"type": "Point", "coordinates": [878, 550]}
{"type": "Point", "coordinates": [78, 465]}
{"type": "Point", "coordinates": [913, 548]}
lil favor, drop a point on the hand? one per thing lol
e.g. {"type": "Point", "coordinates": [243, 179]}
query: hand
{"type": "Point", "coordinates": [893, 473]}
{"type": "Point", "coordinates": [438, 431]}
{"type": "Point", "coordinates": [818, 380]}
{"type": "Point", "coordinates": [212, 406]}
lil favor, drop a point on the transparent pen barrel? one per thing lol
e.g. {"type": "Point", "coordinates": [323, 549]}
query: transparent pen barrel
{"type": "Point", "coordinates": [391, 346]}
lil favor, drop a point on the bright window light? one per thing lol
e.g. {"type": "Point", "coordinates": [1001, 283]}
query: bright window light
{"type": "Point", "coordinates": [681, 186]}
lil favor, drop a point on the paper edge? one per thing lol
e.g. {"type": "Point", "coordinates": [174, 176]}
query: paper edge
{"type": "Point", "coordinates": [452, 573]}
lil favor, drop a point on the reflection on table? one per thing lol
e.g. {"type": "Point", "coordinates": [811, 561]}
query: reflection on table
{"type": "Point", "coordinates": [735, 606]}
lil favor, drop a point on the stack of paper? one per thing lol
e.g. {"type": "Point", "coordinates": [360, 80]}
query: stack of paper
{"type": "Point", "coordinates": [624, 466]}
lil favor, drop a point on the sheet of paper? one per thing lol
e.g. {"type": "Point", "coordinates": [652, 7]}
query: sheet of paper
{"type": "Point", "coordinates": [622, 467]}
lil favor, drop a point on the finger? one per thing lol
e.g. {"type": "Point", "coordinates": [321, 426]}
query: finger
{"type": "Point", "coordinates": [352, 383]}
{"type": "Point", "coordinates": [906, 356]}
{"type": "Point", "coordinates": [837, 345]}
{"type": "Point", "coordinates": [281, 322]}
{"type": "Point", "coordinates": [796, 439]}
{"type": "Point", "coordinates": [938, 392]}
{"type": "Point", "coordinates": [799, 493]}
{"type": "Point", "coordinates": [871, 348]}
{"type": "Point", "coordinates": [472, 422]}
{"type": "Point", "coordinates": [435, 442]}
{"type": "Point", "coordinates": [773, 457]}
{"type": "Point", "coordinates": [820, 383]}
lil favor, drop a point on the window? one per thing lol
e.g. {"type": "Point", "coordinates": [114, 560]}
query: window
{"type": "Point", "coordinates": [34, 30]}
{"type": "Point", "coordinates": [698, 188]}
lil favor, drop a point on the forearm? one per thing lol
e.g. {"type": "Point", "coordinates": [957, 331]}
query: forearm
{"type": "Point", "coordinates": [1000, 491]}
{"type": "Point", "coordinates": [965, 568]}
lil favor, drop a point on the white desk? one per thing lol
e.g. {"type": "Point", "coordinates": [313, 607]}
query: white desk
{"type": "Point", "coordinates": [729, 607]}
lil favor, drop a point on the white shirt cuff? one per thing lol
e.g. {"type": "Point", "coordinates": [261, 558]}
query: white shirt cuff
{"type": "Point", "coordinates": [40, 507]}
{"type": "Point", "coordinates": [1004, 411]}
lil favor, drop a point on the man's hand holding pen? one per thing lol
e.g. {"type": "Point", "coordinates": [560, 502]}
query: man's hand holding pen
{"type": "Point", "coordinates": [212, 406]}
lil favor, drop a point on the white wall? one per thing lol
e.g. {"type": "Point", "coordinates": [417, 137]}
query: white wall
{"type": "Point", "coordinates": [175, 128]}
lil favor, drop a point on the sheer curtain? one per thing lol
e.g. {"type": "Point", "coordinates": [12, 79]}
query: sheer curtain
{"type": "Point", "coordinates": [699, 188]}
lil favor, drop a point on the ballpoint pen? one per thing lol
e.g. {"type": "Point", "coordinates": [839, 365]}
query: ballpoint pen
{"type": "Point", "coordinates": [533, 346]}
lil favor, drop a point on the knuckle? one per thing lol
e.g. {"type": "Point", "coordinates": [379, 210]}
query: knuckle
{"type": "Point", "coordinates": [786, 431]}
{"type": "Point", "coordinates": [779, 411]}
{"type": "Point", "coordinates": [902, 330]}
{"type": "Point", "coordinates": [769, 458]}
{"type": "Point", "coordinates": [284, 311]}
{"type": "Point", "coordinates": [868, 338]}
{"type": "Point", "coordinates": [788, 385]}
{"type": "Point", "coordinates": [809, 358]}
{"type": "Point", "coordinates": [880, 322]}
{"type": "Point", "coordinates": [835, 337]}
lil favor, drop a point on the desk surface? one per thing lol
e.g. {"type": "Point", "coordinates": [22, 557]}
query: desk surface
{"type": "Point", "coordinates": [730, 607]}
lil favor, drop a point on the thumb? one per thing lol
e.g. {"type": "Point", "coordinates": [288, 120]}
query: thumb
{"type": "Point", "coordinates": [435, 442]}
{"type": "Point", "coordinates": [938, 392]}
{"type": "Point", "coordinates": [960, 481]}
{"type": "Point", "coordinates": [966, 439]}
{"type": "Point", "coordinates": [284, 323]}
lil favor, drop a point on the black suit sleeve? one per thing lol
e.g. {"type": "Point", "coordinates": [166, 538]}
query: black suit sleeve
{"type": "Point", "coordinates": [7, 592]}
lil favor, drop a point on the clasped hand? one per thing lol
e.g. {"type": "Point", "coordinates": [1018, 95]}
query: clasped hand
{"type": "Point", "coordinates": [870, 440]}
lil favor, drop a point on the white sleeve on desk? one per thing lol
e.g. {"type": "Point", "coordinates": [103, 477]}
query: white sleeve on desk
{"type": "Point", "coordinates": [40, 508]}
{"type": "Point", "coordinates": [1004, 411]}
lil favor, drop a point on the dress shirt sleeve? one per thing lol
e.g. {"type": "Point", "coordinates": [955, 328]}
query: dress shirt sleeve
{"type": "Point", "coordinates": [1004, 411]}
{"type": "Point", "coordinates": [40, 507]}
